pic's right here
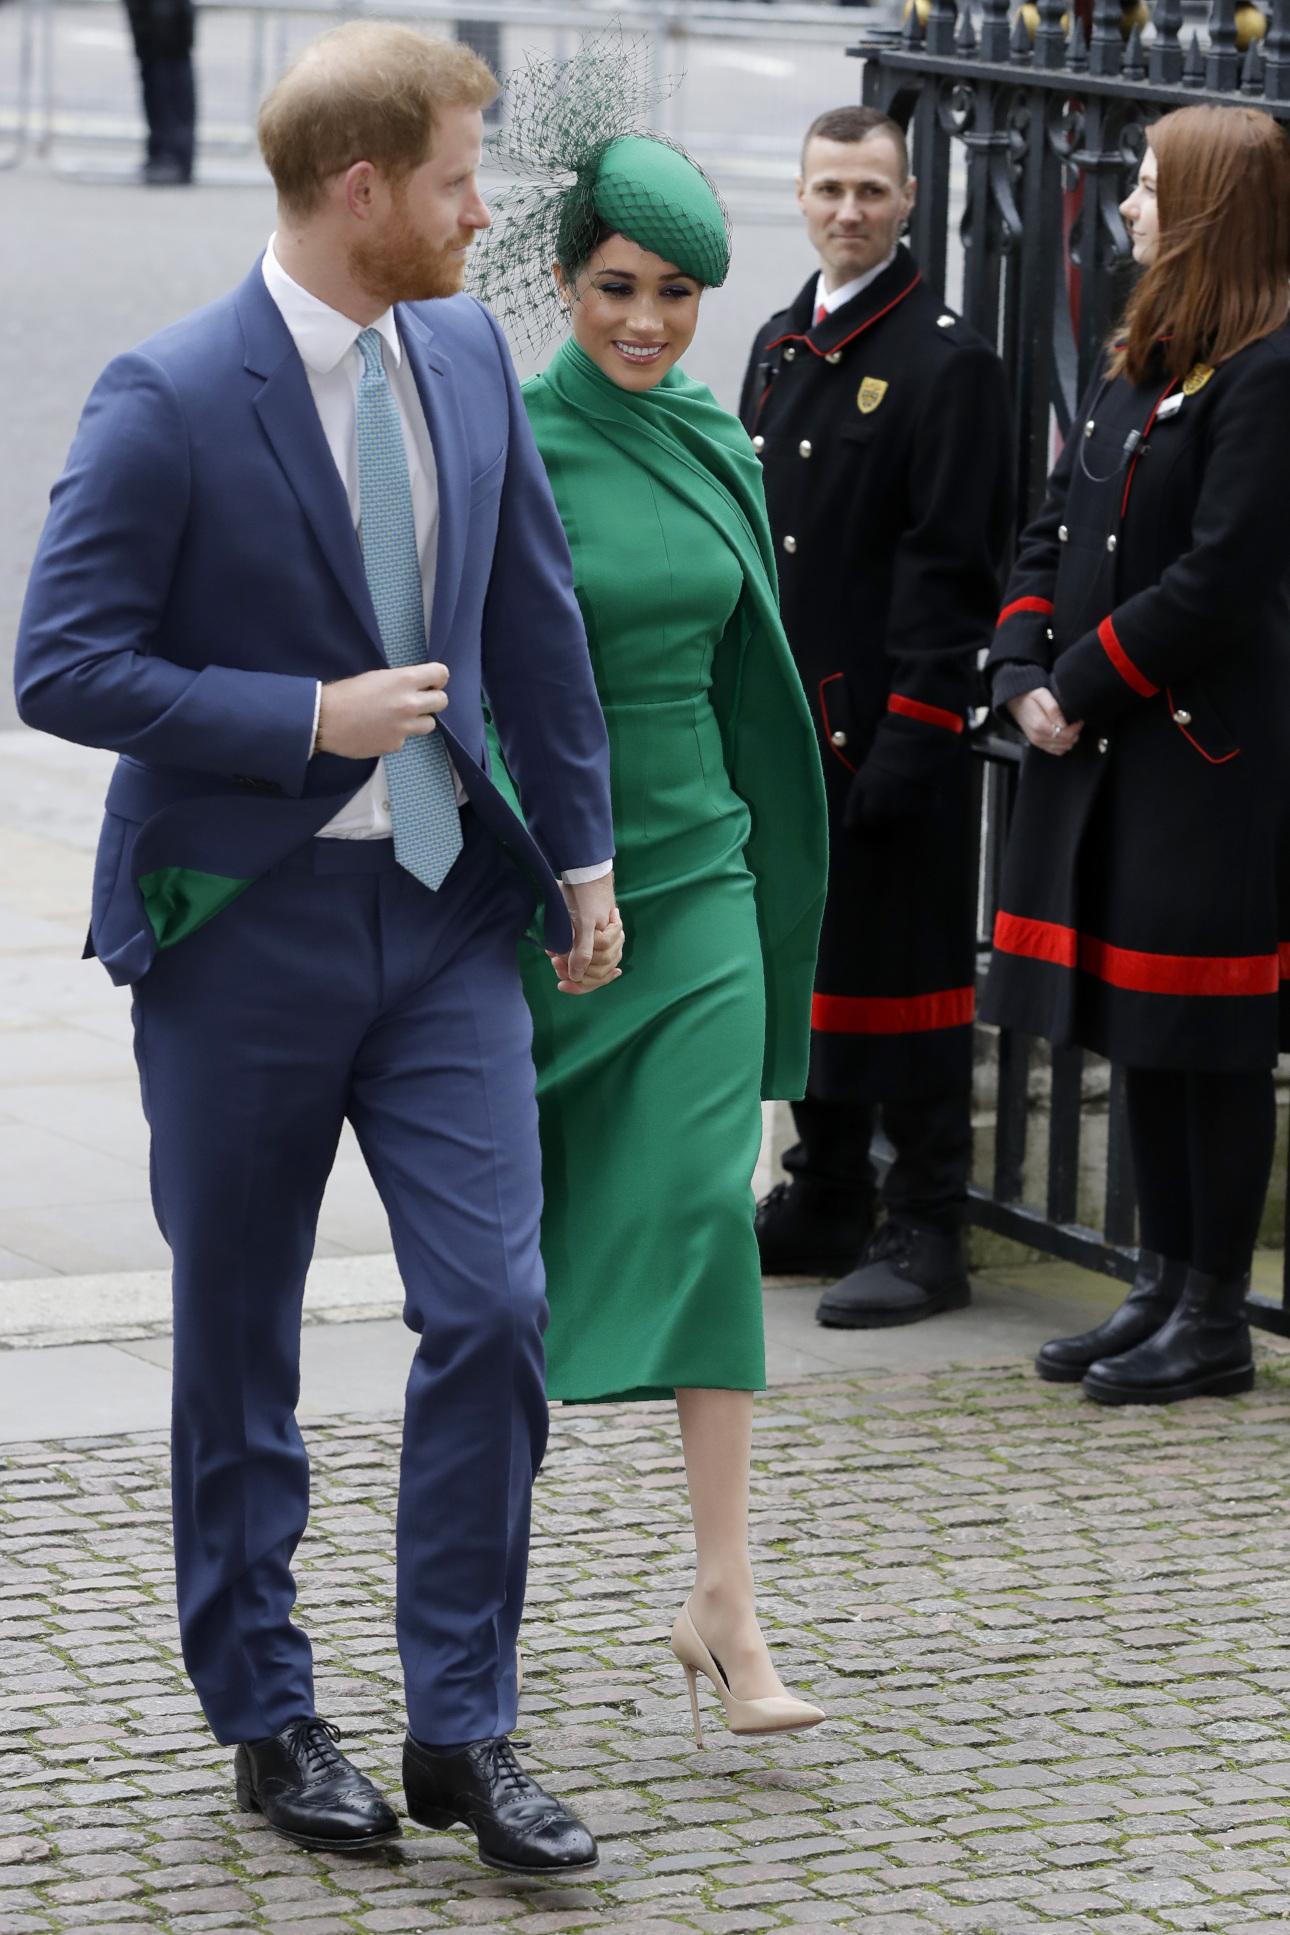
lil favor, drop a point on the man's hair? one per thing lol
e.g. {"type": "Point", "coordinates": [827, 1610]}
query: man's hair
{"type": "Point", "coordinates": [857, 124]}
{"type": "Point", "coordinates": [1218, 282]}
{"type": "Point", "coordinates": [365, 91]}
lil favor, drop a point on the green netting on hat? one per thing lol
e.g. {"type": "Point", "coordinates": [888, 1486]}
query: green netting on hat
{"type": "Point", "coordinates": [572, 137]}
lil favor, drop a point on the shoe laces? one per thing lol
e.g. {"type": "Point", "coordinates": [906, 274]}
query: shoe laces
{"type": "Point", "coordinates": [314, 1742]}
{"type": "Point", "coordinates": [508, 1770]}
{"type": "Point", "coordinates": [892, 1240]}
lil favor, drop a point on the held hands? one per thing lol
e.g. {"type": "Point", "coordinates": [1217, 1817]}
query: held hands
{"type": "Point", "coordinates": [361, 718]}
{"type": "Point", "coordinates": [597, 948]}
{"type": "Point", "coordinates": [1044, 723]}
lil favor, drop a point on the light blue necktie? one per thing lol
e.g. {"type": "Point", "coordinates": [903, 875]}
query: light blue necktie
{"type": "Point", "coordinates": [423, 798]}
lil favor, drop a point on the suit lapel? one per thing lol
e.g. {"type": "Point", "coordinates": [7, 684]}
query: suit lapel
{"type": "Point", "coordinates": [285, 407]}
{"type": "Point", "coordinates": [433, 375]}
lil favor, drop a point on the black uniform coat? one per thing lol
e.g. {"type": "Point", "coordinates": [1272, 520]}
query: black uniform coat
{"type": "Point", "coordinates": [884, 438]}
{"type": "Point", "coordinates": [1145, 885]}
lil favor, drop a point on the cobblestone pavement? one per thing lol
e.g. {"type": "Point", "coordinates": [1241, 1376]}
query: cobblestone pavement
{"type": "Point", "coordinates": [1052, 1640]}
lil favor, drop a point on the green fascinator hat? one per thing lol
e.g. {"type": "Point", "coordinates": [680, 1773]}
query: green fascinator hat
{"type": "Point", "coordinates": [584, 170]}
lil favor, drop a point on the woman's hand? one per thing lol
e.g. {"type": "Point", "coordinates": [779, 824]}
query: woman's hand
{"type": "Point", "coordinates": [1044, 723]}
{"type": "Point", "coordinates": [602, 966]}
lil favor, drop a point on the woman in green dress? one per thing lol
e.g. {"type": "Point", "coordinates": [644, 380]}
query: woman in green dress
{"type": "Point", "coordinates": [650, 1098]}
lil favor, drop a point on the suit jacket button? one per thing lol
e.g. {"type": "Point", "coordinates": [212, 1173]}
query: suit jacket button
{"type": "Point", "coordinates": [759, 444]}
{"type": "Point", "coordinates": [1104, 745]}
{"type": "Point", "coordinates": [789, 354]}
{"type": "Point", "coordinates": [804, 448]}
{"type": "Point", "coordinates": [1112, 541]}
{"type": "Point", "coordinates": [837, 738]}
{"type": "Point", "coordinates": [834, 356]}
{"type": "Point", "coordinates": [790, 545]}
{"type": "Point", "coordinates": [1062, 533]}
{"type": "Point", "coordinates": [1182, 717]}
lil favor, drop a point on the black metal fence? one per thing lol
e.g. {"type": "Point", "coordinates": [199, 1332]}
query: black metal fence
{"type": "Point", "coordinates": [1028, 128]}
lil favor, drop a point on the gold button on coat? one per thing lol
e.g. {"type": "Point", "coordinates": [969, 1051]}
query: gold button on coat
{"type": "Point", "coordinates": [1112, 541]}
{"type": "Point", "coordinates": [1182, 717]}
{"type": "Point", "coordinates": [1104, 745]}
{"type": "Point", "coordinates": [838, 738]}
{"type": "Point", "coordinates": [790, 544]}
{"type": "Point", "coordinates": [759, 444]}
{"type": "Point", "coordinates": [804, 448]}
{"type": "Point", "coordinates": [1062, 533]}
{"type": "Point", "coordinates": [789, 354]}
{"type": "Point", "coordinates": [834, 356]}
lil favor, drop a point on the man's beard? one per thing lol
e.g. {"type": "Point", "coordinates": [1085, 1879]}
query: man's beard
{"type": "Point", "coordinates": [403, 267]}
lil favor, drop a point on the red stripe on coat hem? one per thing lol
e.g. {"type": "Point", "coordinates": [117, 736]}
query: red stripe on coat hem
{"type": "Point", "coordinates": [1135, 971]}
{"type": "Point", "coordinates": [930, 715]}
{"type": "Point", "coordinates": [1044, 606]}
{"type": "Point", "coordinates": [1123, 663]}
{"type": "Point", "coordinates": [901, 1014]}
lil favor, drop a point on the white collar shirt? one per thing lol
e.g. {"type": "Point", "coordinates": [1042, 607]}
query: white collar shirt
{"type": "Point", "coordinates": [837, 297]}
{"type": "Point", "coordinates": [327, 342]}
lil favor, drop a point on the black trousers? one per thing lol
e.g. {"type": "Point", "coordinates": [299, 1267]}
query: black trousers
{"type": "Point", "coordinates": [1202, 1154]}
{"type": "Point", "coordinates": [928, 1179]}
{"type": "Point", "coordinates": [163, 31]}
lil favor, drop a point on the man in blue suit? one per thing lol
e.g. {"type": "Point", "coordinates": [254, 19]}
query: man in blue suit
{"type": "Point", "coordinates": [283, 522]}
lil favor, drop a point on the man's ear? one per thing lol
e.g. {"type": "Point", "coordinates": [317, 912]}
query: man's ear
{"type": "Point", "coordinates": [911, 195]}
{"type": "Point", "coordinates": [801, 190]}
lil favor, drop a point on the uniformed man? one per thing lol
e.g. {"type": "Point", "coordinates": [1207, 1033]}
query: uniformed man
{"type": "Point", "coordinates": [882, 423]}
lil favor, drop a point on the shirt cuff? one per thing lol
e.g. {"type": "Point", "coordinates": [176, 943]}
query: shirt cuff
{"type": "Point", "coordinates": [313, 743]}
{"type": "Point", "coordinates": [583, 876]}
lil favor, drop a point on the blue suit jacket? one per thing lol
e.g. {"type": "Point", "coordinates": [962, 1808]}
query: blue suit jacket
{"type": "Point", "coordinates": [199, 572]}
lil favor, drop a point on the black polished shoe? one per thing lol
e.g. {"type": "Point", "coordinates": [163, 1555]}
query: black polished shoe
{"type": "Point", "coordinates": [908, 1271]}
{"type": "Point", "coordinates": [805, 1229]}
{"type": "Point", "coordinates": [1155, 1293]}
{"type": "Point", "coordinates": [165, 172]}
{"type": "Point", "coordinates": [1202, 1350]}
{"type": "Point", "coordinates": [519, 1826]}
{"type": "Point", "coordinates": [305, 1788]}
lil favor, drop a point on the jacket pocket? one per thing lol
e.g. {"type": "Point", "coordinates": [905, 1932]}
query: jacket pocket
{"type": "Point", "coordinates": [1201, 724]}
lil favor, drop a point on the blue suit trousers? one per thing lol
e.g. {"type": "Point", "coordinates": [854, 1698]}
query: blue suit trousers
{"type": "Point", "coordinates": [337, 986]}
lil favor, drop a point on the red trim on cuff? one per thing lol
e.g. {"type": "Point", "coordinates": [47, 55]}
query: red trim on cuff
{"type": "Point", "coordinates": [901, 1014]}
{"type": "Point", "coordinates": [1134, 970]}
{"type": "Point", "coordinates": [1107, 639]}
{"type": "Point", "coordinates": [1044, 606]}
{"type": "Point", "coordinates": [931, 715]}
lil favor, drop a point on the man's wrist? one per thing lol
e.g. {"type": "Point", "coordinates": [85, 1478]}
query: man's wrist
{"type": "Point", "coordinates": [583, 876]}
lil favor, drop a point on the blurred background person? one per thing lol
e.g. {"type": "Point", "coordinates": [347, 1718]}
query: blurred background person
{"type": "Point", "coordinates": [1144, 650]}
{"type": "Point", "coordinates": [883, 427]}
{"type": "Point", "coordinates": [163, 31]}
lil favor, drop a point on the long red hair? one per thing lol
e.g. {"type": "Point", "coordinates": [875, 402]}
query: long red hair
{"type": "Point", "coordinates": [1221, 277]}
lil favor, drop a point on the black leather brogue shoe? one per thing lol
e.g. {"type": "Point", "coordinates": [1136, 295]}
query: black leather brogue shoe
{"type": "Point", "coordinates": [519, 1826]}
{"type": "Point", "coordinates": [305, 1788]}
{"type": "Point", "coordinates": [1157, 1287]}
{"type": "Point", "coordinates": [1202, 1350]}
{"type": "Point", "coordinates": [806, 1230]}
{"type": "Point", "coordinates": [908, 1271]}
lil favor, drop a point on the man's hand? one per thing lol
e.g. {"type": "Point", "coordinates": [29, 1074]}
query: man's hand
{"type": "Point", "coordinates": [1044, 723]}
{"type": "Point", "coordinates": [598, 937]}
{"type": "Point", "coordinates": [374, 713]}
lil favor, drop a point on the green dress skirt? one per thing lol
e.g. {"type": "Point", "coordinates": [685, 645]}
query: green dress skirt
{"type": "Point", "coordinates": [649, 1090]}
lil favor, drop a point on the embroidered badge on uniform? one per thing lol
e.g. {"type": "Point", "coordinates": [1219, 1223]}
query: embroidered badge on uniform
{"type": "Point", "coordinates": [1196, 378]}
{"type": "Point", "coordinates": [871, 393]}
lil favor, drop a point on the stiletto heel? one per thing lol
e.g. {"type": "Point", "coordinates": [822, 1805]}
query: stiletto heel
{"type": "Point", "coordinates": [692, 1680]}
{"type": "Point", "coordinates": [777, 1713]}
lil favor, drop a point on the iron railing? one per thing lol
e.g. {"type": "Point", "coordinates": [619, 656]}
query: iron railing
{"type": "Point", "coordinates": [1025, 131]}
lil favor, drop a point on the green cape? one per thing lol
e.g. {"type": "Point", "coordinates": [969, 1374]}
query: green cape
{"type": "Point", "coordinates": [683, 437]}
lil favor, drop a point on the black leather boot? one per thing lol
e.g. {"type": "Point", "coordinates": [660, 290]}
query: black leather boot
{"type": "Point", "coordinates": [1202, 1350]}
{"type": "Point", "coordinates": [305, 1788]}
{"type": "Point", "coordinates": [907, 1271]}
{"type": "Point", "coordinates": [807, 1229]}
{"type": "Point", "coordinates": [519, 1826]}
{"type": "Point", "coordinates": [1156, 1290]}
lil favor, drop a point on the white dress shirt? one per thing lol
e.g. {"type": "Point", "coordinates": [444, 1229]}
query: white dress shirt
{"type": "Point", "coordinates": [835, 299]}
{"type": "Point", "coordinates": [328, 345]}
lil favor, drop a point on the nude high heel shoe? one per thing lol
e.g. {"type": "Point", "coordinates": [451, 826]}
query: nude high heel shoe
{"type": "Point", "coordinates": [778, 1713]}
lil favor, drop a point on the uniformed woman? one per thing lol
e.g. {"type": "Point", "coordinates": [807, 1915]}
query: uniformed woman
{"type": "Point", "coordinates": [1144, 651]}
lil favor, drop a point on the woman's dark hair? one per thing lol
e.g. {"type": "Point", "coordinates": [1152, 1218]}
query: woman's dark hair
{"type": "Point", "coordinates": [580, 237]}
{"type": "Point", "coordinates": [1219, 280]}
